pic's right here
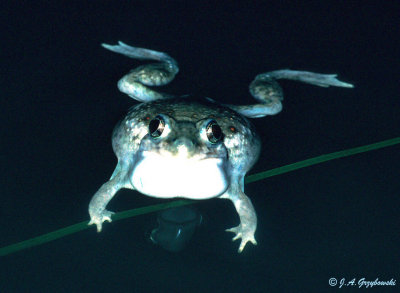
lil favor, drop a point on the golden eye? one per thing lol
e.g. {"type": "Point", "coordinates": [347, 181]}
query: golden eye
{"type": "Point", "coordinates": [214, 132]}
{"type": "Point", "coordinates": [156, 127]}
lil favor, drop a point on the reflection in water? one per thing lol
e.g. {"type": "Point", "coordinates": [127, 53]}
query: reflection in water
{"type": "Point", "coordinates": [176, 228]}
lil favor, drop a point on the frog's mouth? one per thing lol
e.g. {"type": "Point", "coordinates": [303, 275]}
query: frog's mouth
{"type": "Point", "coordinates": [167, 177]}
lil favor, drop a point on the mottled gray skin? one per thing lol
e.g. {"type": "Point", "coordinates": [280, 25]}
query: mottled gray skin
{"type": "Point", "coordinates": [145, 160]}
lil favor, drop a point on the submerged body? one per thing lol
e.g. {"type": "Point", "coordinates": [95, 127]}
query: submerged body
{"type": "Point", "coordinates": [172, 146]}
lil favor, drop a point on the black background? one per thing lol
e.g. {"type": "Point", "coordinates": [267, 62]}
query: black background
{"type": "Point", "coordinates": [60, 103]}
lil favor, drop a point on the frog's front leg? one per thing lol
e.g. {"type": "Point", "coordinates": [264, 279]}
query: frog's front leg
{"type": "Point", "coordinates": [136, 81]}
{"type": "Point", "coordinates": [97, 206]}
{"type": "Point", "coordinates": [248, 218]}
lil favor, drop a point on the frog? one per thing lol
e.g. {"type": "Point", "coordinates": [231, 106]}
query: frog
{"type": "Point", "coordinates": [186, 146]}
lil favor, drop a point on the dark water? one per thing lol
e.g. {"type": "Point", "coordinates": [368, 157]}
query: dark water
{"type": "Point", "coordinates": [60, 103]}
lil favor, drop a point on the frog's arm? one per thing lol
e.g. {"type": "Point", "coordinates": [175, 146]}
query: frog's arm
{"type": "Point", "coordinates": [246, 212]}
{"type": "Point", "coordinates": [97, 206]}
{"type": "Point", "coordinates": [265, 89]}
{"type": "Point", "coordinates": [136, 81]}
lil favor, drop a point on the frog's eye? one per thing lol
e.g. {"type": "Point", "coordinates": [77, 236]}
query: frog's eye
{"type": "Point", "coordinates": [156, 126]}
{"type": "Point", "coordinates": [213, 132]}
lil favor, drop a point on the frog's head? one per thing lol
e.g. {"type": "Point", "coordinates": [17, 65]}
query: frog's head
{"type": "Point", "coordinates": [181, 158]}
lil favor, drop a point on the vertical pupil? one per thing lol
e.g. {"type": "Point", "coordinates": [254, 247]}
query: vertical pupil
{"type": "Point", "coordinates": [156, 127]}
{"type": "Point", "coordinates": [214, 132]}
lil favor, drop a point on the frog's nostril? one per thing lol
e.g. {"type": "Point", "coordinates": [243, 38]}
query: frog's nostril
{"type": "Point", "coordinates": [183, 142]}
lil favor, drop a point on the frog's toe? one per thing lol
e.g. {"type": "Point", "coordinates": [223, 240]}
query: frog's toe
{"type": "Point", "coordinates": [235, 230]}
{"type": "Point", "coordinates": [100, 218]}
{"type": "Point", "coordinates": [245, 235]}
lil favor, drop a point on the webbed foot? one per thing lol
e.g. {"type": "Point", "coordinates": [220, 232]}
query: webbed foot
{"type": "Point", "coordinates": [319, 79]}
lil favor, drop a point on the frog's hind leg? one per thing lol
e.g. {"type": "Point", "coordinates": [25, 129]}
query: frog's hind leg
{"type": "Point", "coordinates": [136, 82]}
{"type": "Point", "coordinates": [265, 89]}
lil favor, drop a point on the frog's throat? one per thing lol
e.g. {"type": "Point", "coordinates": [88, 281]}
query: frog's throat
{"type": "Point", "coordinates": [168, 177]}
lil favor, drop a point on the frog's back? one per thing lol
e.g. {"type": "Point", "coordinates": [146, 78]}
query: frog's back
{"type": "Point", "coordinates": [187, 108]}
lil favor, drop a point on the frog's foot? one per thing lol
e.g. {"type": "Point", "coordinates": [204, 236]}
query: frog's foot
{"type": "Point", "coordinates": [246, 235]}
{"type": "Point", "coordinates": [99, 218]}
{"type": "Point", "coordinates": [141, 54]}
{"type": "Point", "coordinates": [319, 79]}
